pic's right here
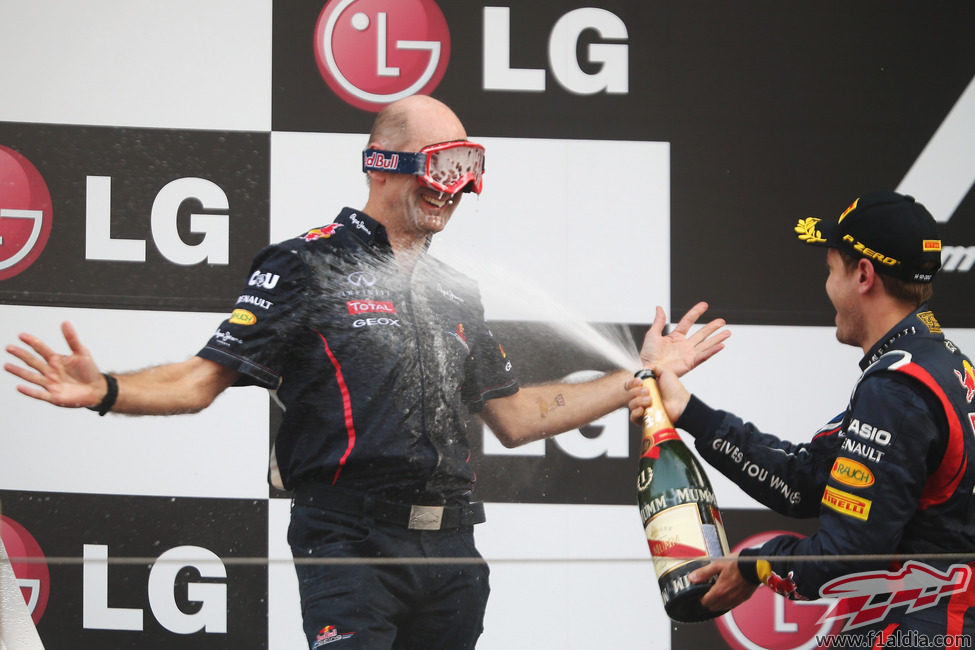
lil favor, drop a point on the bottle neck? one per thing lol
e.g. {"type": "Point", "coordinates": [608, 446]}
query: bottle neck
{"type": "Point", "coordinates": [657, 427]}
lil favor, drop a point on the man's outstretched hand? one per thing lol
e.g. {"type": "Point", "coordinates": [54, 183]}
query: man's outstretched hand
{"type": "Point", "coordinates": [63, 380]}
{"type": "Point", "coordinates": [678, 352]}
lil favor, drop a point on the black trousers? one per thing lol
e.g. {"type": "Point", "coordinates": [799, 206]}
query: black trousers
{"type": "Point", "coordinates": [366, 583]}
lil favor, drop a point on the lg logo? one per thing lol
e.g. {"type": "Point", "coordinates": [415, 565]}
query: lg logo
{"type": "Point", "coordinates": [214, 226]}
{"type": "Point", "coordinates": [26, 220]}
{"type": "Point", "coordinates": [210, 616]}
{"type": "Point", "coordinates": [25, 213]}
{"type": "Point", "coordinates": [612, 58]}
{"type": "Point", "coordinates": [210, 598]}
{"type": "Point", "coordinates": [371, 52]}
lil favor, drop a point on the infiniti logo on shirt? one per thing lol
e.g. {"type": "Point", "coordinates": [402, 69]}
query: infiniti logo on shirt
{"type": "Point", "coordinates": [362, 279]}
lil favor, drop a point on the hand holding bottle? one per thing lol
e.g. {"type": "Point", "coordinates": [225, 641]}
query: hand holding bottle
{"type": "Point", "coordinates": [674, 396]}
{"type": "Point", "coordinates": [729, 590]}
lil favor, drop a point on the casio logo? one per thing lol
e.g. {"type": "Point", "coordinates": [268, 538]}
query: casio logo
{"type": "Point", "coordinates": [869, 432]}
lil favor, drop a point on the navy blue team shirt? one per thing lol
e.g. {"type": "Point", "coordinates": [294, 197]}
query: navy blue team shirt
{"type": "Point", "coordinates": [377, 368]}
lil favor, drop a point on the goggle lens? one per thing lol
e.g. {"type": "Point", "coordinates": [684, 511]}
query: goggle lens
{"type": "Point", "coordinates": [454, 166]}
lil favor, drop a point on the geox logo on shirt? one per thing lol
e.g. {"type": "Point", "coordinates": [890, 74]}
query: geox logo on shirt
{"type": "Point", "coordinates": [263, 280]}
{"type": "Point", "coordinates": [373, 322]}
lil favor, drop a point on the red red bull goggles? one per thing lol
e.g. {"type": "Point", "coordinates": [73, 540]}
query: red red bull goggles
{"type": "Point", "coordinates": [449, 167]}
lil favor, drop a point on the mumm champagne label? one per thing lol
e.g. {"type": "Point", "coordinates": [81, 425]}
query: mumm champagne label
{"type": "Point", "coordinates": [675, 531]}
{"type": "Point", "coordinates": [675, 537]}
{"type": "Point", "coordinates": [675, 497]}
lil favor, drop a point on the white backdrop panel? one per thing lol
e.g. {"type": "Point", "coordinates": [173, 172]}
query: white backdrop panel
{"type": "Point", "coordinates": [173, 64]}
{"type": "Point", "coordinates": [220, 452]}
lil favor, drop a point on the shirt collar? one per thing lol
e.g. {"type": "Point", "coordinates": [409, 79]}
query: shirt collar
{"type": "Point", "coordinates": [920, 321]}
{"type": "Point", "coordinates": [367, 229]}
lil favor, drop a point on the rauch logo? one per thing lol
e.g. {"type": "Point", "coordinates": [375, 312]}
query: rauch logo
{"type": "Point", "coordinates": [25, 213]}
{"type": "Point", "coordinates": [373, 52]}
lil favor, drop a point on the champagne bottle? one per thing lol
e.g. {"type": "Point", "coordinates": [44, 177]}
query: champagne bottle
{"type": "Point", "coordinates": [679, 512]}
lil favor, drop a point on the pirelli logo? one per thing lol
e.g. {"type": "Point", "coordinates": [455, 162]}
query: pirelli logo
{"type": "Point", "coordinates": [846, 503]}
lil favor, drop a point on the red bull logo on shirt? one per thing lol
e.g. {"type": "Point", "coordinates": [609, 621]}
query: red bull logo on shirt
{"type": "Point", "coordinates": [967, 380]}
{"type": "Point", "coordinates": [329, 634]}
{"type": "Point", "coordinates": [321, 233]}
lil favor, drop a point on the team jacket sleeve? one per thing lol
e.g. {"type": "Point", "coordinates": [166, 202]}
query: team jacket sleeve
{"type": "Point", "coordinates": [788, 478]}
{"type": "Point", "coordinates": [871, 494]}
{"type": "Point", "coordinates": [490, 373]}
{"type": "Point", "coordinates": [253, 340]}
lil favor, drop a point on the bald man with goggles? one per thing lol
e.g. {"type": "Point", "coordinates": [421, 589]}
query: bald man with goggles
{"type": "Point", "coordinates": [379, 354]}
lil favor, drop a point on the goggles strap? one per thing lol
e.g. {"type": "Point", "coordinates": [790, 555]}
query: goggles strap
{"type": "Point", "coordinates": [394, 162]}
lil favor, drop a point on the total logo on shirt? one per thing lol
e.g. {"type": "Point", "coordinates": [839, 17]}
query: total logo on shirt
{"type": "Point", "coordinates": [357, 307]}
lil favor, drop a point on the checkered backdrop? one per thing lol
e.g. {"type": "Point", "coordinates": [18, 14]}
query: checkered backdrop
{"type": "Point", "coordinates": [639, 153]}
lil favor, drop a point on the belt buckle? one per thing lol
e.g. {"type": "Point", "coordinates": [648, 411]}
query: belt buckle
{"type": "Point", "coordinates": [425, 517]}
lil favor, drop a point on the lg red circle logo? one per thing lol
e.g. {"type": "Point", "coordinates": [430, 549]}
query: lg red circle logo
{"type": "Point", "coordinates": [25, 213]}
{"type": "Point", "coordinates": [374, 52]}
{"type": "Point", "coordinates": [27, 561]}
{"type": "Point", "coordinates": [767, 621]}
